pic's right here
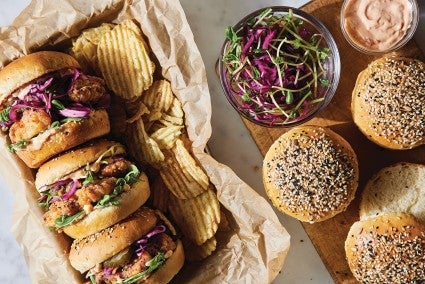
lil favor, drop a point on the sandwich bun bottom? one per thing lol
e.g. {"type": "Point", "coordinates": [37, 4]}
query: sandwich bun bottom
{"type": "Point", "coordinates": [69, 135]}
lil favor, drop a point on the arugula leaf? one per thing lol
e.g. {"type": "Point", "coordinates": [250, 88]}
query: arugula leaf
{"type": "Point", "coordinates": [4, 114]}
{"type": "Point", "coordinates": [133, 175]}
{"type": "Point", "coordinates": [55, 124]}
{"type": "Point", "coordinates": [152, 265]}
{"type": "Point", "coordinates": [58, 104]}
{"type": "Point", "coordinates": [46, 204]}
{"type": "Point", "coordinates": [108, 199]}
{"type": "Point", "coordinates": [65, 220]}
{"type": "Point", "coordinates": [69, 119]}
{"type": "Point", "coordinates": [13, 147]}
{"type": "Point", "coordinates": [89, 178]}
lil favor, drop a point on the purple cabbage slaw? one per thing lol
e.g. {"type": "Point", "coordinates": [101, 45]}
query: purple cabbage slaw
{"type": "Point", "coordinates": [275, 66]}
{"type": "Point", "coordinates": [53, 188]}
{"type": "Point", "coordinates": [141, 244]}
{"type": "Point", "coordinates": [41, 94]}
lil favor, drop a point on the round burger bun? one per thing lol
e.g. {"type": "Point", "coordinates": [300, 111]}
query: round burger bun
{"type": "Point", "coordinates": [310, 173]}
{"type": "Point", "coordinates": [379, 105]}
{"type": "Point", "coordinates": [67, 136]}
{"type": "Point", "coordinates": [30, 67]}
{"type": "Point", "coordinates": [387, 249]}
{"type": "Point", "coordinates": [73, 160]}
{"type": "Point", "coordinates": [397, 188]}
{"type": "Point", "coordinates": [103, 217]}
{"type": "Point", "coordinates": [87, 252]}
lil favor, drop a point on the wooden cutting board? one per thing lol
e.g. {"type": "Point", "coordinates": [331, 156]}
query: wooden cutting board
{"type": "Point", "coordinates": [328, 237]}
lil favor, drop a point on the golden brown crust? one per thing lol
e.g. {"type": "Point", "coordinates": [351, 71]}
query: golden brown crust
{"type": "Point", "coordinates": [31, 67]}
{"type": "Point", "coordinates": [69, 135]}
{"type": "Point", "coordinates": [60, 166]}
{"type": "Point", "coordinates": [310, 173]}
{"type": "Point", "coordinates": [387, 249]}
{"type": "Point", "coordinates": [86, 253]}
{"type": "Point", "coordinates": [101, 218]}
{"type": "Point", "coordinates": [379, 105]}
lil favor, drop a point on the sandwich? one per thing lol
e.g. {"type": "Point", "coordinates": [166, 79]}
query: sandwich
{"type": "Point", "coordinates": [140, 249]}
{"type": "Point", "coordinates": [47, 106]}
{"type": "Point", "coordinates": [90, 188]}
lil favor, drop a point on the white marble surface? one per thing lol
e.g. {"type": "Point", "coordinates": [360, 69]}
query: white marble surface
{"type": "Point", "coordinates": [230, 143]}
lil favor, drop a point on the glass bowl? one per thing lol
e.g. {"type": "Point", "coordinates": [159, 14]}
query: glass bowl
{"type": "Point", "coordinates": [274, 105]}
{"type": "Point", "coordinates": [375, 51]}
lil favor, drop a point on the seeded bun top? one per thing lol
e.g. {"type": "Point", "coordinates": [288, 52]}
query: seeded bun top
{"type": "Point", "coordinates": [30, 67]}
{"type": "Point", "coordinates": [75, 159]}
{"type": "Point", "coordinates": [310, 173]}
{"type": "Point", "coordinates": [387, 249]}
{"type": "Point", "coordinates": [388, 102]}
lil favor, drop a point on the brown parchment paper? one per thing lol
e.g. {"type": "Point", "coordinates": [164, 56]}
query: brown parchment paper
{"type": "Point", "coordinates": [253, 251]}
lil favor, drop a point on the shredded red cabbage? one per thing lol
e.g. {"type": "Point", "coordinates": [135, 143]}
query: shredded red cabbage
{"type": "Point", "coordinates": [274, 65]}
{"type": "Point", "coordinates": [72, 190]}
{"type": "Point", "coordinates": [75, 110]}
{"type": "Point", "coordinates": [108, 271]}
{"type": "Point", "coordinates": [143, 241]}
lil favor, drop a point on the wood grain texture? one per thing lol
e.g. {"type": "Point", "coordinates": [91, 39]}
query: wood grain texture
{"type": "Point", "coordinates": [328, 237]}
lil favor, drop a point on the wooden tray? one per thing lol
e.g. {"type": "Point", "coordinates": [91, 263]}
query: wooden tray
{"type": "Point", "coordinates": [328, 237]}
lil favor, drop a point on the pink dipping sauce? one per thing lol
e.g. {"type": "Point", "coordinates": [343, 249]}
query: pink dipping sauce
{"type": "Point", "coordinates": [377, 25]}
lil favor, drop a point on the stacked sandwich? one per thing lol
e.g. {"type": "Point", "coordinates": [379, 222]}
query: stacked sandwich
{"type": "Point", "coordinates": [56, 120]}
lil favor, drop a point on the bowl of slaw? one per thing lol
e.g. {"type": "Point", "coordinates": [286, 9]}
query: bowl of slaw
{"type": "Point", "coordinates": [279, 66]}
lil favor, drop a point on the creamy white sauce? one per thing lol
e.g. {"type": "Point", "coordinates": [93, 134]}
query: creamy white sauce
{"type": "Point", "coordinates": [377, 25]}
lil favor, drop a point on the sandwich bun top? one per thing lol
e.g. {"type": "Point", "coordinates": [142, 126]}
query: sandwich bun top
{"type": "Point", "coordinates": [30, 67]}
{"type": "Point", "coordinates": [87, 252]}
{"type": "Point", "coordinates": [388, 102]}
{"type": "Point", "coordinates": [396, 188]}
{"type": "Point", "coordinates": [387, 249]}
{"type": "Point", "coordinates": [310, 173]}
{"type": "Point", "coordinates": [75, 159]}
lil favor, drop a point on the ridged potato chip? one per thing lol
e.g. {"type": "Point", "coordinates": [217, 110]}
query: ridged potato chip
{"type": "Point", "coordinates": [143, 148]}
{"type": "Point", "coordinates": [166, 136]}
{"type": "Point", "coordinates": [84, 48]}
{"type": "Point", "coordinates": [160, 195]}
{"type": "Point", "coordinates": [124, 61]}
{"type": "Point", "coordinates": [189, 165]}
{"type": "Point", "coordinates": [159, 97]}
{"type": "Point", "coordinates": [194, 252]}
{"type": "Point", "coordinates": [177, 182]}
{"type": "Point", "coordinates": [197, 217]}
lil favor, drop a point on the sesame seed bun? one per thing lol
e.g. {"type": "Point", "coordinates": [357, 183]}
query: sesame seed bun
{"type": "Point", "coordinates": [310, 173]}
{"type": "Point", "coordinates": [103, 217]}
{"type": "Point", "coordinates": [397, 188]}
{"type": "Point", "coordinates": [75, 159]}
{"type": "Point", "coordinates": [67, 136]}
{"type": "Point", "coordinates": [30, 67]}
{"type": "Point", "coordinates": [87, 252]}
{"type": "Point", "coordinates": [387, 249]}
{"type": "Point", "coordinates": [388, 102]}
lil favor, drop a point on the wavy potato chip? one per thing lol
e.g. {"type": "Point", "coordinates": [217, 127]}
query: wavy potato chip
{"type": "Point", "coordinates": [124, 61]}
{"type": "Point", "coordinates": [143, 148]}
{"type": "Point", "coordinates": [189, 165]}
{"type": "Point", "coordinates": [84, 47]}
{"type": "Point", "coordinates": [166, 136]}
{"type": "Point", "coordinates": [159, 97]}
{"type": "Point", "coordinates": [197, 217]}
{"type": "Point", "coordinates": [194, 252]}
{"type": "Point", "coordinates": [160, 195]}
{"type": "Point", "coordinates": [177, 182]}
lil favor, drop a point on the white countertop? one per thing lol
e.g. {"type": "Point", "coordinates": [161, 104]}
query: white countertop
{"type": "Point", "coordinates": [230, 143]}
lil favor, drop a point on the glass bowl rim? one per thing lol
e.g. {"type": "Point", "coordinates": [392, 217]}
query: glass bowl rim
{"type": "Point", "coordinates": [335, 59]}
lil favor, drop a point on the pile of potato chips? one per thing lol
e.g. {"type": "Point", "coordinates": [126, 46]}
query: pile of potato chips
{"type": "Point", "coordinates": [155, 132]}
